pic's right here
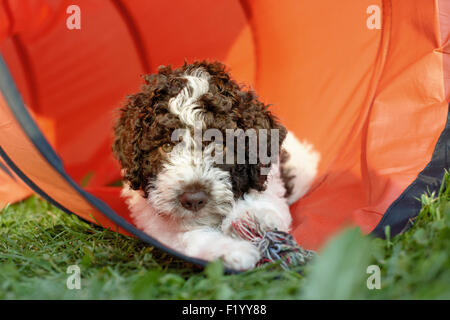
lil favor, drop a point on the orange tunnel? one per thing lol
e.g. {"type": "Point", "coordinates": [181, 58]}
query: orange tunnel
{"type": "Point", "coordinates": [365, 81]}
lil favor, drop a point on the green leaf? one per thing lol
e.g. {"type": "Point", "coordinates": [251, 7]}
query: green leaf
{"type": "Point", "coordinates": [339, 272]}
{"type": "Point", "coordinates": [214, 270]}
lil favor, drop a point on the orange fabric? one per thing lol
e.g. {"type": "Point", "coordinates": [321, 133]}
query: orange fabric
{"type": "Point", "coordinates": [36, 168]}
{"type": "Point", "coordinates": [444, 26]}
{"type": "Point", "coordinates": [12, 189]}
{"type": "Point", "coordinates": [372, 101]}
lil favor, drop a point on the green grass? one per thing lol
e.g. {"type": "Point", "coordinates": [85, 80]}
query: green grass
{"type": "Point", "coordinates": [38, 242]}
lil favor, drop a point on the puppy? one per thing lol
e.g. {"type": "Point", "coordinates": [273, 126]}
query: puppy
{"type": "Point", "coordinates": [199, 152]}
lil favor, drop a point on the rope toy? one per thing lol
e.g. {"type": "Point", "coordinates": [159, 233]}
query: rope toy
{"type": "Point", "coordinates": [274, 245]}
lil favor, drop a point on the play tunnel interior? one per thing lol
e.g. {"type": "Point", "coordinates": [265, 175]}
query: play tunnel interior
{"type": "Point", "coordinates": [366, 82]}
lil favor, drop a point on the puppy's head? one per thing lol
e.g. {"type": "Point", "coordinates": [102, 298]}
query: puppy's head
{"type": "Point", "coordinates": [189, 175]}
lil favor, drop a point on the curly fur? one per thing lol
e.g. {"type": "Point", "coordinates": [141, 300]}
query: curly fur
{"type": "Point", "coordinates": [146, 123]}
{"type": "Point", "coordinates": [204, 93]}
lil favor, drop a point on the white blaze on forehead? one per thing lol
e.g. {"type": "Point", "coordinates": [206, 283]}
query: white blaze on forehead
{"type": "Point", "coordinates": [185, 105]}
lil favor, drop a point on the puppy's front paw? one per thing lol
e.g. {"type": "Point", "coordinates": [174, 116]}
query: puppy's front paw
{"type": "Point", "coordinates": [270, 220]}
{"type": "Point", "coordinates": [241, 255]}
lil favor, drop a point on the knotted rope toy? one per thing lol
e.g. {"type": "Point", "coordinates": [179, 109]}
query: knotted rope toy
{"type": "Point", "coordinates": [274, 245]}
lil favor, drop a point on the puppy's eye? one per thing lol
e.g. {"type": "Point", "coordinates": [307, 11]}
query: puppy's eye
{"type": "Point", "coordinates": [167, 147]}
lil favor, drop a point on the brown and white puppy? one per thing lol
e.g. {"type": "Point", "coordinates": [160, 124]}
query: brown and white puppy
{"type": "Point", "coordinates": [186, 189]}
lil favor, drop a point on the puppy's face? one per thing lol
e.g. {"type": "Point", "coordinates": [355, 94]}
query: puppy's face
{"type": "Point", "coordinates": [187, 141]}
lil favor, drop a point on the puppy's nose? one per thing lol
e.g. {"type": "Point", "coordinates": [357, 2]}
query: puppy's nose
{"type": "Point", "coordinates": [193, 201]}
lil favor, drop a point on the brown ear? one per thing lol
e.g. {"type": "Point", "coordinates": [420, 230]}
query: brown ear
{"type": "Point", "coordinates": [253, 114]}
{"type": "Point", "coordinates": [282, 131]}
{"type": "Point", "coordinates": [130, 146]}
{"type": "Point", "coordinates": [276, 133]}
{"type": "Point", "coordinates": [128, 134]}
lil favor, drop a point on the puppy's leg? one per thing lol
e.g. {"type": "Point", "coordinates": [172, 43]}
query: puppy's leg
{"type": "Point", "coordinates": [270, 213]}
{"type": "Point", "coordinates": [299, 166]}
{"type": "Point", "coordinates": [287, 181]}
{"type": "Point", "coordinates": [210, 244]}
{"type": "Point", "coordinates": [269, 208]}
{"type": "Point", "coordinates": [204, 243]}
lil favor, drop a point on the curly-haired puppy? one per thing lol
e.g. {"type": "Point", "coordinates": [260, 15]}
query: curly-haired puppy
{"type": "Point", "coordinates": [198, 152]}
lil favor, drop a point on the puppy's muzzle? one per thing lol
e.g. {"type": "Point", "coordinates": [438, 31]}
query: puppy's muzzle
{"type": "Point", "coordinates": [193, 200]}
